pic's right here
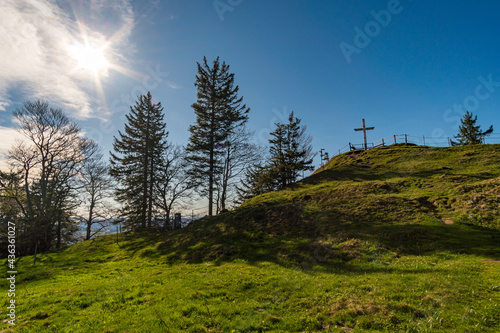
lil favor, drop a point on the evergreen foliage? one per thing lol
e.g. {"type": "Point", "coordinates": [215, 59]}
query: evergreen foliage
{"type": "Point", "coordinates": [257, 180]}
{"type": "Point", "coordinates": [291, 152]}
{"type": "Point", "coordinates": [219, 111]}
{"type": "Point", "coordinates": [470, 133]}
{"type": "Point", "coordinates": [136, 158]}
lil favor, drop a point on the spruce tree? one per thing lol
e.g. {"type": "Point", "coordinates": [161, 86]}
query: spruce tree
{"type": "Point", "coordinates": [258, 179]}
{"type": "Point", "coordinates": [469, 133]}
{"type": "Point", "coordinates": [219, 111]}
{"type": "Point", "coordinates": [136, 158]}
{"type": "Point", "coordinates": [291, 151]}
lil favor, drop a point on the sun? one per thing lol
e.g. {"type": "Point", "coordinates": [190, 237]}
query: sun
{"type": "Point", "coordinates": [89, 57]}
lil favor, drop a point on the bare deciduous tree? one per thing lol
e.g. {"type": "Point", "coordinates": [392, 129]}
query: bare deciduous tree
{"type": "Point", "coordinates": [174, 185]}
{"type": "Point", "coordinates": [47, 166]}
{"type": "Point", "coordinates": [238, 154]}
{"type": "Point", "coordinates": [96, 186]}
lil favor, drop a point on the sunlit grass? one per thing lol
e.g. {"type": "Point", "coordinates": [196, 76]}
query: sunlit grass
{"type": "Point", "coordinates": [362, 245]}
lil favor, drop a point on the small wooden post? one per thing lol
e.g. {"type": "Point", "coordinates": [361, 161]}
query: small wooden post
{"type": "Point", "coordinates": [424, 140]}
{"type": "Point", "coordinates": [449, 142]}
{"type": "Point", "coordinates": [395, 139]}
{"type": "Point", "coordinates": [406, 139]}
{"type": "Point", "coordinates": [383, 143]}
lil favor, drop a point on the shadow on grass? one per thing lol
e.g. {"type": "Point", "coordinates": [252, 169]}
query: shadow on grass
{"type": "Point", "coordinates": [285, 237]}
{"type": "Point", "coordinates": [415, 239]}
{"type": "Point", "coordinates": [358, 173]}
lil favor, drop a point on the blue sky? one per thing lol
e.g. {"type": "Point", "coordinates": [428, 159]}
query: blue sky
{"type": "Point", "coordinates": [417, 66]}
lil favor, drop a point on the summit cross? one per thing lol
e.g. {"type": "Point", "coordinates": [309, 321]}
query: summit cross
{"type": "Point", "coordinates": [364, 129]}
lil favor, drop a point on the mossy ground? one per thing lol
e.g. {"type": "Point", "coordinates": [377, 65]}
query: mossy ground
{"type": "Point", "coordinates": [395, 239]}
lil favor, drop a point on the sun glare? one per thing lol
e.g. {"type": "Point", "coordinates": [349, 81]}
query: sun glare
{"type": "Point", "coordinates": [90, 58]}
{"type": "Point", "coordinates": [92, 55]}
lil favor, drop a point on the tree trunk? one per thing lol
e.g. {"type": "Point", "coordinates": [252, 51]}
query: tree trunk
{"type": "Point", "coordinates": [87, 237]}
{"type": "Point", "coordinates": [144, 195]}
{"type": "Point", "coordinates": [58, 246]}
{"type": "Point", "coordinates": [211, 164]}
{"type": "Point", "coordinates": [225, 178]}
{"type": "Point", "coordinates": [211, 184]}
{"type": "Point", "coordinates": [150, 199]}
{"type": "Point", "coordinates": [144, 207]}
{"type": "Point", "coordinates": [89, 221]}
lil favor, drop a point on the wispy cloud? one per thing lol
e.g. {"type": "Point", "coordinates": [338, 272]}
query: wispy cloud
{"type": "Point", "coordinates": [8, 137]}
{"type": "Point", "coordinates": [35, 48]}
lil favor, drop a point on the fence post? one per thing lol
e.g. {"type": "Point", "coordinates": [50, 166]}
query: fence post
{"type": "Point", "coordinates": [424, 140]}
{"type": "Point", "coordinates": [383, 143]}
{"type": "Point", "coordinates": [395, 139]}
{"type": "Point", "coordinates": [406, 139]}
{"type": "Point", "coordinates": [449, 142]}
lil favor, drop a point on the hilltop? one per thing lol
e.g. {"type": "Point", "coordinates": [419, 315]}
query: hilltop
{"type": "Point", "coordinates": [396, 238]}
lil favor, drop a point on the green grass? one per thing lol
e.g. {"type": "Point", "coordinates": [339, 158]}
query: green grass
{"type": "Point", "coordinates": [361, 245]}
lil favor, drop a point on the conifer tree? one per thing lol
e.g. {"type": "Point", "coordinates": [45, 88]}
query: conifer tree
{"type": "Point", "coordinates": [291, 151]}
{"type": "Point", "coordinates": [469, 133]}
{"type": "Point", "coordinates": [136, 158]}
{"type": "Point", "coordinates": [257, 180]}
{"type": "Point", "coordinates": [219, 111]}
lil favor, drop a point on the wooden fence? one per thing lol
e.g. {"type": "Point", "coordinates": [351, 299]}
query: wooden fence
{"type": "Point", "coordinates": [409, 139]}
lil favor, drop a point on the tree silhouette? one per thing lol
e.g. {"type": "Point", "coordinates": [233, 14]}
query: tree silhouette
{"type": "Point", "coordinates": [469, 133]}
{"type": "Point", "coordinates": [137, 158]}
{"type": "Point", "coordinates": [219, 112]}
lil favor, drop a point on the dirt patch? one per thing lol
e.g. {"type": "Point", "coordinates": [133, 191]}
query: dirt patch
{"type": "Point", "coordinates": [495, 261]}
{"type": "Point", "coordinates": [447, 221]}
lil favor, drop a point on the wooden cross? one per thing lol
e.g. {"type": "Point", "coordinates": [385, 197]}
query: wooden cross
{"type": "Point", "coordinates": [364, 129]}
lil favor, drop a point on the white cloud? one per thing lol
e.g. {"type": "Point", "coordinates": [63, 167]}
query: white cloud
{"type": "Point", "coordinates": [8, 136]}
{"type": "Point", "coordinates": [35, 48]}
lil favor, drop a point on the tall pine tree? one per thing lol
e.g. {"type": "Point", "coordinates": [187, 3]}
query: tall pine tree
{"type": "Point", "coordinates": [219, 111]}
{"type": "Point", "coordinates": [136, 158]}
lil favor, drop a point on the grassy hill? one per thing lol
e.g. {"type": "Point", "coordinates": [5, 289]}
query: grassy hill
{"type": "Point", "coordinates": [394, 239]}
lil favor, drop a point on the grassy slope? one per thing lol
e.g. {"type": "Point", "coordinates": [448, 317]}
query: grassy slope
{"type": "Point", "coordinates": [365, 243]}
